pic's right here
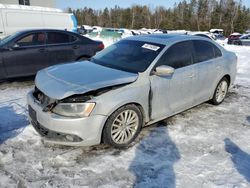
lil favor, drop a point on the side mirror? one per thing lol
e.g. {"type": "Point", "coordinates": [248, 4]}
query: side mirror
{"type": "Point", "coordinates": [164, 70]}
{"type": "Point", "coordinates": [16, 46]}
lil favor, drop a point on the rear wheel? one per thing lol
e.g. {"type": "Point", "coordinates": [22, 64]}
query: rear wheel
{"type": "Point", "coordinates": [220, 91]}
{"type": "Point", "coordinates": [123, 126]}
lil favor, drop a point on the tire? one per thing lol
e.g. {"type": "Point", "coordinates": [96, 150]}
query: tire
{"type": "Point", "coordinates": [83, 58]}
{"type": "Point", "coordinates": [118, 134]}
{"type": "Point", "coordinates": [220, 91]}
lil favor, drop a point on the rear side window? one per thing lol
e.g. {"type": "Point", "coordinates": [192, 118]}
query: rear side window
{"type": "Point", "coordinates": [217, 52]}
{"type": "Point", "coordinates": [205, 51]}
{"type": "Point", "coordinates": [34, 39]}
{"type": "Point", "coordinates": [177, 56]}
{"type": "Point", "coordinates": [60, 38]}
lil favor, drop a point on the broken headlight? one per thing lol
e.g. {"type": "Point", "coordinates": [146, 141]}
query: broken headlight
{"type": "Point", "coordinates": [74, 109]}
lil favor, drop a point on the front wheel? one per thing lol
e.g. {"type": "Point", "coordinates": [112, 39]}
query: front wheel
{"type": "Point", "coordinates": [123, 126]}
{"type": "Point", "coordinates": [220, 91]}
{"type": "Point", "coordinates": [84, 58]}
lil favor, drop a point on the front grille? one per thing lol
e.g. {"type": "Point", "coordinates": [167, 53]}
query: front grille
{"type": "Point", "coordinates": [52, 135]}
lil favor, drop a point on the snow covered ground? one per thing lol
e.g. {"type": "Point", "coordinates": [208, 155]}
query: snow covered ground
{"type": "Point", "coordinates": [207, 146]}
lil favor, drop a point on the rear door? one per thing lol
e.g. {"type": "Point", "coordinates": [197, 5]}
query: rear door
{"type": "Point", "coordinates": [26, 56]}
{"type": "Point", "coordinates": [61, 47]}
{"type": "Point", "coordinates": [207, 63]}
{"type": "Point", "coordinates": [174, 93]}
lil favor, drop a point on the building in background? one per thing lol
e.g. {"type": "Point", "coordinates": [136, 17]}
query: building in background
{"type": "Point", "coordinates": [42, 3]}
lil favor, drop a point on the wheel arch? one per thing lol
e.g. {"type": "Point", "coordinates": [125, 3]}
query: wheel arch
{"type": "Point", "coordinates": [227, 76]}
{"type": "Point", "coordinates": [120, 106]}
{"type": "Point", "coordinates": [83, 56]}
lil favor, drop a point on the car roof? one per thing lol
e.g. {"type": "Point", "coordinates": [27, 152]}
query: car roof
{"type": "Point", "coordinates": [165, 38]}
{"type": "Point", "coordinates": [42, 30]}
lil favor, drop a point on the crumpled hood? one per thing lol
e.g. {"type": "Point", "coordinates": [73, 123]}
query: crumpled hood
{"type": "Point", "coordinates": [61, 81]}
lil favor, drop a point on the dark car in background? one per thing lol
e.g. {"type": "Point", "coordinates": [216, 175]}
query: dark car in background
{"type": "Point", "coordinates": [26, 52]}
{"type": "Point", "coordinates": [233, 38]}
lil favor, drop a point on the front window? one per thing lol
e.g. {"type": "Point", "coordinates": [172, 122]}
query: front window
{"type": "Point", "coordinates": [34, 39]}
{"type": "Point", "coordinates": [128, 55]}
{"type": "Point", "coordinates": [177, 56]}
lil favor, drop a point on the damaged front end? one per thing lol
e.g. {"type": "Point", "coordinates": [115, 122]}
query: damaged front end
{"type": "Point", "coordinates": [77, 105]}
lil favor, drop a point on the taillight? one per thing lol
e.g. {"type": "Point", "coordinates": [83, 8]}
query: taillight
{"type": "Point", "coordinates": [101, 46]}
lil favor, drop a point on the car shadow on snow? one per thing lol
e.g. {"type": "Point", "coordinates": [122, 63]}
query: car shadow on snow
{"type": "Point", "coordinates": [240, 159]}
{"type": "Point", "coordinates": [153, 164]}
{"type": "Point", "coordinates": [11, 122]}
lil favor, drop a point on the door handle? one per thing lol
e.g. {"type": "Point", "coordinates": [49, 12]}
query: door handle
{"type": "Point", "coordinates": [42, 50]}
{"type": "Point", "coordinates": [76, 46]}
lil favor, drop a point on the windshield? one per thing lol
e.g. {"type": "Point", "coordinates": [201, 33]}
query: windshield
{"type": "Point", "coordinates": [128, 55]}
{"type": "Point", "coordinates": [5, 40]}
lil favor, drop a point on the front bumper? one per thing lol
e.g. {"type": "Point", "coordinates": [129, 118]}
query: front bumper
{"type": "Point", "coordinates": [65, 130]}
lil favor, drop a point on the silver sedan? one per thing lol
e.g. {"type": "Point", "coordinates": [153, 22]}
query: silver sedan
{"type": "Point", "coordinates": [131, 84]}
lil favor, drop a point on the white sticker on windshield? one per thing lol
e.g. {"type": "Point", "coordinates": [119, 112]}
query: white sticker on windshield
{"type": "Point", "coordinates": [151, 47]}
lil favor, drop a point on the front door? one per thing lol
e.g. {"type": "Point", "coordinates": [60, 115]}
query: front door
{"type": "Point", "coordinates": [26, 56]}
{"type": "Point", "coordinates": [172, 94]}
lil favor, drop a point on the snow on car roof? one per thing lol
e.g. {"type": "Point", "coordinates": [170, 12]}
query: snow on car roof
{"type": "Point", "coordinates": [23, 7]}
{"type": "Point", "coordinates": [235, 34]}
{"type": "Point", "coordinates": [214, 30]}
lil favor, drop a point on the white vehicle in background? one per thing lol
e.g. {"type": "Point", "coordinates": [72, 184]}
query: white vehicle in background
{"type": "Point", "coordinates": [217, 31]}
{"type": "Point", "coordinates": [84, 29]}
{"type": "Point", "coordinates": [218, 34]}
{"type": "Point", "coordinates": [97, 29]}
{"type": "Point", "coordinates": [205, 34]}
{"type": "Point", "coordinates": [125, 33]}
{"type": "Point", "coordinates": [15, 18]}
{"type": "Point", "coordinates": [160, 31]}
{"type": "Point", "coordinates": [145, 31]}
{"type": "Point", "coordinates": [135, 32]}
{"type": "Point", "coordinates": [182, 32]}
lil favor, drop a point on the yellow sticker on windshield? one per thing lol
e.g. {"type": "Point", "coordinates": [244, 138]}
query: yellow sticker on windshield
{"type": "Point", "coordinates": [151, 47]}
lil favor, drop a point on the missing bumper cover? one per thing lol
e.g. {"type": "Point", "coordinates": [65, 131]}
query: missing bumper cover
{"type": "Point", "coordinates": [54, 136]}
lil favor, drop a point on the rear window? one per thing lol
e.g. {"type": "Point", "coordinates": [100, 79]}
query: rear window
{"type": "Point", "coordinates": [60, 38]}
{"type": "Point", "coordinates": [217, 52]}
{"type": "Point", "coordinates": [128, 55]}
{"type": "Point", "coordinates": [205, 51]}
